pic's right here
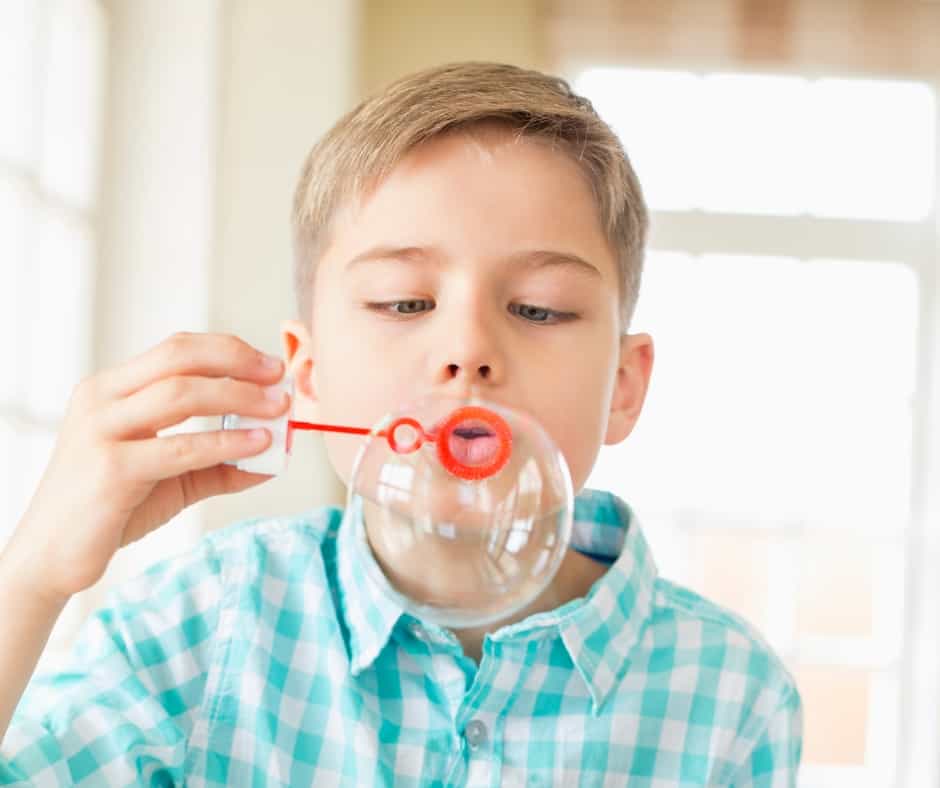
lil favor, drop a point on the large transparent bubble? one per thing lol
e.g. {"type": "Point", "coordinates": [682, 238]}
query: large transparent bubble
{"type": "Point", "coordinates": [467, 508]}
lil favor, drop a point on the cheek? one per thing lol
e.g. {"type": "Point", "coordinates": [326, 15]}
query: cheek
{"type": "Point", "coordinates": [342, 452]}
{"type": "Point", "coordinates": [578, 443]}
{"type": "Point", "coordinates": [350, 392]}
{"type": "Point", "coordinates": [577, 419]}
{"type": "Point", "coordinates": [344, 367]}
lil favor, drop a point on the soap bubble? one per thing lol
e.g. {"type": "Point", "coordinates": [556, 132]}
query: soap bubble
{"type": "Point", "coordinates": [467, 509]}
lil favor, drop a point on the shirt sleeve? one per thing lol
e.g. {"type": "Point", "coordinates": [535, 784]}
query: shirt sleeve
{"type": "Point", "coordinates": [774, 760]}
{"type": "Point", "coordinates": [121, 710]}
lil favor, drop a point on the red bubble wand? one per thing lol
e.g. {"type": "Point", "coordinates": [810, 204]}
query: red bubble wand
{"type": "Point", "coordinates": [464, 424]}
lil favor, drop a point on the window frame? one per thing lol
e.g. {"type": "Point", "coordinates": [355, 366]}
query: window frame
{"type": "Point", "coordinates": [16, 414]}
{"type": "Point", "coordinates": [31, 432]}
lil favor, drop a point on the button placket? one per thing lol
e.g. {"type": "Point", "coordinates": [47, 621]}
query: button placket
{"type": "Point", "coordinates": [476, 734]}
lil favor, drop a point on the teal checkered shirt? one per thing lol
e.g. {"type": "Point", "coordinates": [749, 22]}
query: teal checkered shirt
{"type": "Point", "coordinates": [269, 656]}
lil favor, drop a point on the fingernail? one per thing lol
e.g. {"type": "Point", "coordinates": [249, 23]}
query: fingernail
{"type": "Point", "coordinates": [257, 434]}
{"type": "Point", "coordinates": [270, 362]}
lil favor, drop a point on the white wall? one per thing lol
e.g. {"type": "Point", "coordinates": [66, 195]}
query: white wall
{"type": "Point", "coordinates": [158, 201]}
{"type": "Point", "coordinates": [290, 71]}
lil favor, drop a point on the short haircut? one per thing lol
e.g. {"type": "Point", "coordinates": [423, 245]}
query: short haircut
{"type": "Point", "coordinates": [365, 145]}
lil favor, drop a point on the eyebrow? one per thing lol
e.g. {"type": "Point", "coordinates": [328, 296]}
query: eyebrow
{"type": "Point", "coordinates": [536, 259]}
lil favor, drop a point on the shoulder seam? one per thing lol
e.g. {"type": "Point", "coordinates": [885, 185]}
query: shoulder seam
{"type": "Point", "coordinates": [713, 613]}
{"type": "Point", "coordinates": [708, 610]}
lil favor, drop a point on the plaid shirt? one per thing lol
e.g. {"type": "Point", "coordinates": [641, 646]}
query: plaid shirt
{"type": "Point", "coordinates": [268, 656]}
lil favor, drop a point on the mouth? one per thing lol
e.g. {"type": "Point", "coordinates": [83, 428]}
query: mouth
{"type": "Point", "coordinates": [473, 444]}
{"type": "Point", "coordinates": [469, 433]}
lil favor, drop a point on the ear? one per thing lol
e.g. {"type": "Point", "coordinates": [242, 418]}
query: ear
{"type": "Point", "coordinates": [298, 349]}
{"type": "Point", "coordinates": [630, 386]}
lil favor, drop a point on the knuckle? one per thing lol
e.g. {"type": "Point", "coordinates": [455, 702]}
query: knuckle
{"type": "Point", "coordinates": [183, 448]}
{"type": "Point", "coordinates": [174, 393]}
{"type": "Point", "coordinates": [177, 346]}
{"type": "Point", "coordinates": [179, 337]}
{"type": "Point", "coordinates": [175, 390]}
{"type": "Point", "coordinates": [229, 391]}
{"type": "Point", "coordinates": [94, 424]}
{"type": "Point", "coordinates": [85, 391]}
{"type": "Point", "coordinates": [219, 441]}
{"type": "Point", "coordinates": [236, 347]}
{"type": "Point", "coordinates": [108, 465]}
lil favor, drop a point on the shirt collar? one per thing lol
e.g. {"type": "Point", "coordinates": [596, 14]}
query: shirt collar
{"type": "Point", "coordinates": [369, 611]}
{"type": "Point", "coordinates": [599, 631]}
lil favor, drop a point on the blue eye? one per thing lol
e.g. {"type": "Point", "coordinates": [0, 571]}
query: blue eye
{"type": "Point", "coordinates": [538, 314]}
{"type": "Point", "coordinates": [411, 307]}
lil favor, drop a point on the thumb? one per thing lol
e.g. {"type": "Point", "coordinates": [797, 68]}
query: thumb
{"type": "Point", "coordinates": [171, 496]}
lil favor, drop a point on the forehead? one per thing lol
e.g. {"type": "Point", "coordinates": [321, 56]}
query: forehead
{"type": "Point", "coordinates": [483, 190]}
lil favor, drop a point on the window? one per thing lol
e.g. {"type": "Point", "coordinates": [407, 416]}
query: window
{"type": "Point", "coordinates": [774, 462]}
{"type": "Point", "coordinates": [51, 90]}
{"type": "Point", "coordinates": [775, 145]}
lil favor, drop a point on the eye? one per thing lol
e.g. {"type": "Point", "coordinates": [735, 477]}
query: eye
{"type": "Point", "coordinates": [538, 314]}
{"type": "Point", "coordinates": [411, 307]}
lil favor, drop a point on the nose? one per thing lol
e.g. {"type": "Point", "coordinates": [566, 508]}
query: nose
{"type": "Point", "coordinates": [469, 353]}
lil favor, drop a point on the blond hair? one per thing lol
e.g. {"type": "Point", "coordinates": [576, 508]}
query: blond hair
{"type": "Point", "coordinates": [367, 143]}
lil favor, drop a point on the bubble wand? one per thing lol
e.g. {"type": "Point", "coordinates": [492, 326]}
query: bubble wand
{"type": "Point", "coordinates": [454, 438]}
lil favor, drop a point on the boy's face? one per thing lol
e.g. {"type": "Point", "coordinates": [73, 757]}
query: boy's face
{"type": "Point", "coordinates": [478, 266]}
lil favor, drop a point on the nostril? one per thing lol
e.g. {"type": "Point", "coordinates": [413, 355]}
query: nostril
{"type": "Point", "coordinates": [483, 370]}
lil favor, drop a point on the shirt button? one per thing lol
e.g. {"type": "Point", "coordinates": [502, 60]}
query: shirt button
{"type": "Point", "coordinates": [475, 733]}
{"type": "Point", "coordinates": [418, 632]}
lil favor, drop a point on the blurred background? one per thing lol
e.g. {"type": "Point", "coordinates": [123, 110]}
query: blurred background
{"type": "Point", "coordinates": [787, 463]}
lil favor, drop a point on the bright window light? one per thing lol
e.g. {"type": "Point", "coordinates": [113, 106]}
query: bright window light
{"type": "Point", "coordinates": [771, 468]}
{"type": "Point", "coordinates": [19, 21]}
{"type": "Point", "coordinates": [72, 106]}
{"type": "Point", "coordinates": [773, 145]}
{"type": "Point", "coordinates": [60, 340]}
{"type": "Point", "coordinates": [778, 385]}
{"type": "Point", "coordinates": [14, 211]}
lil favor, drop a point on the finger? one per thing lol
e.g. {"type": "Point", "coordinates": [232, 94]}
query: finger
{"type": "Point", "coordinates": [172, 400]}
{"type": "Point", "coordinates": [196, 485]}
{"type": "Point", "coordinates": [154, 459]}
{"type": "Point", "coordinates": [207, 355]}
{"type": "Point", "coordinates": [217, 480]}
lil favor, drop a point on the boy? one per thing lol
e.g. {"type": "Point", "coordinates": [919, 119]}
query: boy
{"type": "Point", "coordinates": [474, 229]}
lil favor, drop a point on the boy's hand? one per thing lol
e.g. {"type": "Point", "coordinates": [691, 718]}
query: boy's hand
{"type": "Point", "coordinates": [112, 480]}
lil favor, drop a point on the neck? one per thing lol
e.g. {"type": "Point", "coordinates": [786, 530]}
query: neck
{"type": "Point", "coordinates": [440, 570]}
